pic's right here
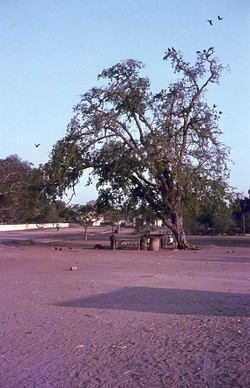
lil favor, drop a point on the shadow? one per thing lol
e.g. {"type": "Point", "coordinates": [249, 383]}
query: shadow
{"type": "Point", "coordinates": [167, 301]}
{"type": "Point", "coordinates": [220, 241]}
{"type": "Point", "coordinates": [226, 259]}
{"type": "Point", "coordinates": [231, 260]}
{"type": "Point", "coordinates": [58, 243]}
{"type": "Point", "coordinates": [19, 243]}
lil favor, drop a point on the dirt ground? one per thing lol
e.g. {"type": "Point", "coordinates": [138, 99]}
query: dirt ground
{"type": "Point", "coordinates": [123, 318]}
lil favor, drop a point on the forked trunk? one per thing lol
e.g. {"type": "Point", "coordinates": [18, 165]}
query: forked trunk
{"type": "Point", "coordinates": [181, 240]}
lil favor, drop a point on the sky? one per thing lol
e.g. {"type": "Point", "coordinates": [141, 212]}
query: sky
{"type": "Point", "coordinates": [53, 50]}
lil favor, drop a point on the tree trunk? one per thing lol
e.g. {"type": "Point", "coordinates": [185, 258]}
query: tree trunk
{"type": "Point", "coordinates": [181, 239]}
{"type": "Point", "coordinates": [179, 233]}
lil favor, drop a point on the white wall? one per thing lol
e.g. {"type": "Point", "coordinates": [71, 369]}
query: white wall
{"type": "Point", "coordinates": [32, 226]}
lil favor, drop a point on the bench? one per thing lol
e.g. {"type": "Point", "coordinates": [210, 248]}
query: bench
{"type": "Point", "coordinates": [153, 242]}
{"type": "Point", "coordinates": [125, 242]}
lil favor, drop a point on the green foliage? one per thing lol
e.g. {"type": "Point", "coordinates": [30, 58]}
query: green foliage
{"type": "Point", "coordinates": [82, 214]}
{"type": "Point", "coordinates": [241, 213]}
{"type": "Point", "coordinates": [22, 195]}
{"type": "Point", "coordinates": [66, 167]}
{"type": "Point", "coordinates": [19, 190]}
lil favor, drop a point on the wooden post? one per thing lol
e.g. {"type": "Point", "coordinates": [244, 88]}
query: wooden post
{"type": "Point", "coordinates": [113, 243]}
{"type": "Point", "coordinates": [143, 243]}
{"type": "Point", "coordinates": [154, 243]}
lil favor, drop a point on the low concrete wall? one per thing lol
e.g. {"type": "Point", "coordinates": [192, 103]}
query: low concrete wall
{"type": "Point", "coordinates": [6, 228]}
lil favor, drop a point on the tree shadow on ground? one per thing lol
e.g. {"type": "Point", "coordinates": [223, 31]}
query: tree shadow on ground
{"type": "Point", "coordinates": [167, 301]}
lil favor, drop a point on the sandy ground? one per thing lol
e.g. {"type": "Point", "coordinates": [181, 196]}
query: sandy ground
{"type": "Point", "coordinates": [123, 319]}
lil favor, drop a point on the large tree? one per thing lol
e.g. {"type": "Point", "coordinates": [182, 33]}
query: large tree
{"type": "Point", "coordinates": [18, 189]}
{"type": "Point", "coordinates": [162, 149]}
{"type": "Point", "coordinates": [22, 194]}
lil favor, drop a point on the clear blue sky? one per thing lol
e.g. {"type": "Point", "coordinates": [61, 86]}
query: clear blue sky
{"type": "Point", "coordinates": [53, 50]}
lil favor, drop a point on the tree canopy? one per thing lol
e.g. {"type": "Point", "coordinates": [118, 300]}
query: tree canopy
{"type": "Point", "coordinates": [162, 148]}
{"type": "Point", "coordinates": [18, 189]}
{"type": "Point", "coordinates": [22, 194]}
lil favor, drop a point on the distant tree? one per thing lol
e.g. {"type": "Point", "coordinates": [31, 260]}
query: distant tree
{"type": "Point", "coordinates": [212, 211]}
{"type": "Point", "coordinates": [112, 214]}
{"type": "Point", "coordinates": [54, 211]}
{"type": "Point", "coordinates": [161, 148]}
{"type": "Point", "coordinates": [20, 190]}
{"type": "Point", "coordinates": [22, 194]}
{"type": "Point", "coordinates": [83, 215]}
{"type": "Point", "coordinates": [241, 212]}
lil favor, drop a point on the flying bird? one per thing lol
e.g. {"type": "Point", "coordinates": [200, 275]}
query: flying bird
{"type": "Point", "coordinates": [219, 17]}
{"type": "Point", "coordinates": [37, 145]}
{"type": "Point", "coordinates": [210, 22]}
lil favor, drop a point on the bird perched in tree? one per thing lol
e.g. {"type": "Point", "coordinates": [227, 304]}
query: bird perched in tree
{"type": "Point", "coordinates": [214, 106]}
{"type": "Point", "coordinates": [37, 145]}
{"type": "Point", "coordinates": [173, 49]}
{"type": "Point", "coordinates": [219, 17]}
{"type": "Point", "coordinates": [210, 22]}
{"type": "Point", "coordinates": [220, 112]}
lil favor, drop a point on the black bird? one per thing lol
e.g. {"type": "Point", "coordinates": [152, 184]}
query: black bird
{"type": "Point", "coordinates": [220, 112]}
{"type": "Point", "coordinates": [219, 17]}
{"type": "Point", "coordinates": [198, 52]}
{"type": "Point", "coordinates": [209, 52]}
{"type": "Point", "coordinates": [37, 145]}
{"type": "Point", "coordinates": [173, 49]}
{"type": "Point", "coordinates": [214, 106]}
{"type": "Point", "coordinates": [210, 22]}
{"type": "Point", "coordinates": [98, 246]}
{"type": "Point", "coordinates": [55, 248]}
{"type": "Point", "coordinates": [70, 248]}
